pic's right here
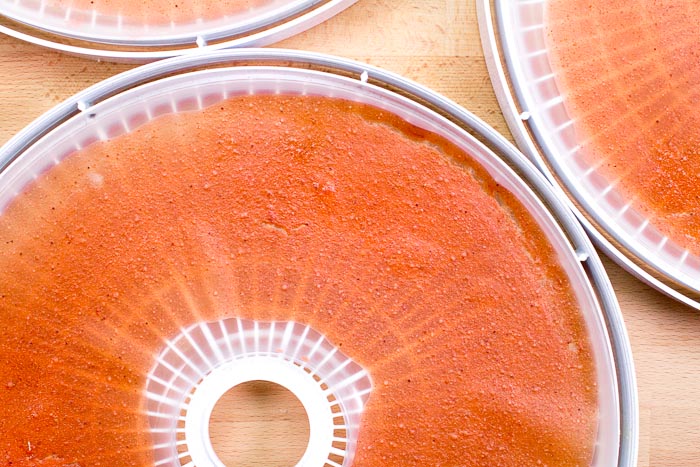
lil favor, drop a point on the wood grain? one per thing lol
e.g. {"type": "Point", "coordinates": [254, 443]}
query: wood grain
{"type": "Point", "coordinates": [436, 43]}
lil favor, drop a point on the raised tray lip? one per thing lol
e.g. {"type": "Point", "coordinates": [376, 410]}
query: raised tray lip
{"type": "Point", "coordinates": [156, 35]}
{"type": "Point", "coordinates": [265, 30]}
{"type": "Point", "coordinates": [509, 96]}
{"type": "Point", "coordinates": [580, 244]}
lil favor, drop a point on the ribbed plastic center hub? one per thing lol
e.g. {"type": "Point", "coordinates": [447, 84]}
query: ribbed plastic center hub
{"type": "Point", "coordinates": [206, 360]}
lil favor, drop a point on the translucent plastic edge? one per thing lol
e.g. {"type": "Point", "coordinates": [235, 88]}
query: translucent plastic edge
{"type": "Point", "coordinates": [629, 402]}
{"type": "Point", "coordinates": [513, 98]}
{"type": "Point", "coordinates": [578, 254]}
{"type": "Point", "coordinates": [190, 44]}
{"type": "Point", "coordinates": [114, 29]}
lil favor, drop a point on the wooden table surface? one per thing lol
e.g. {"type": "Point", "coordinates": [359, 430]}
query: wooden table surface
{"type": "Point", "coordinates": [436, 43]}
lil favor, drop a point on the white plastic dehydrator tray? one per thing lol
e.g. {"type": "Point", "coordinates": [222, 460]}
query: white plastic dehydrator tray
{"type": "Point", "coordinates": [110, 36]}
{"type": "Point", "coordinates": [194, 82]}
{"type": "Point", "coordinates": [514, 42]}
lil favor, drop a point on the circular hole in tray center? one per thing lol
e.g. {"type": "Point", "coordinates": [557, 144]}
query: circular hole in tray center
{"type": "Point", "coordinates": [259, 423]}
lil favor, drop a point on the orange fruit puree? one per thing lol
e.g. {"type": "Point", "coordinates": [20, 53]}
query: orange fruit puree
{"type": "Point", "coordinates": [387, 239]}
{"type": "Point", "coordinates": [630, 75]}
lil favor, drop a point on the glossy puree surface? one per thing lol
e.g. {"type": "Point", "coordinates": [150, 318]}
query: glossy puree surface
{"type": "Point", "coordinates": [390, 241]}
{"type": "Point", "coordinates": [629, 72]}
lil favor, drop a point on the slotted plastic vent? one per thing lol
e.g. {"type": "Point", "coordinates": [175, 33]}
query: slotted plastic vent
{"type": "Point", "coordinates": [205, 360]}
